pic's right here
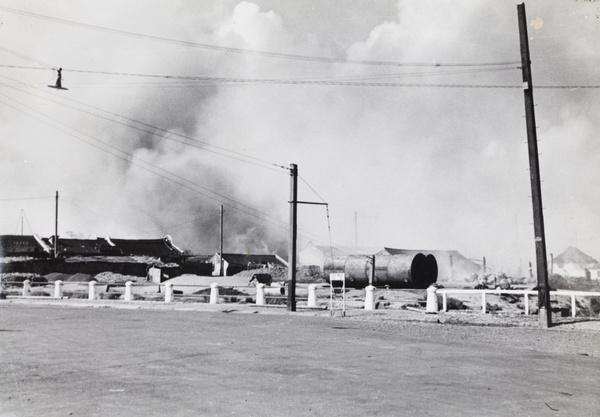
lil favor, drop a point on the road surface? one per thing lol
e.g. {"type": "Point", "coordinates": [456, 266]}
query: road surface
{"type": "Point", "coordinates": [230, 361]}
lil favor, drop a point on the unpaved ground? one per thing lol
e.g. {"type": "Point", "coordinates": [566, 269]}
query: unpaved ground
{"type": "Point", "coordinates": [100, 358]}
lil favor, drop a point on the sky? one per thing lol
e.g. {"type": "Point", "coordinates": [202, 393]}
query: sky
{"type": "Point", "coordinates": [406, 117]}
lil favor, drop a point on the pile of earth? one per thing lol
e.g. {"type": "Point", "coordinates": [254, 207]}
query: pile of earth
{"type": "Point", "coordinates": [115, 278]}
{"type": "Point", "coordinates": [304, 274]}
{"type": "Point", "coordinates": [222, 291]}
{"type": "Point", "coordinates": [20, 277]}
{"type": "Point", "coordinates": [103, 278]}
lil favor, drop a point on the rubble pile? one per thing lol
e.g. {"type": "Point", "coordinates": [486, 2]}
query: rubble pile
{"type": "Point", "coordinates": [304, 274]}
{"type": "Point", "coordinates": [114, 278]}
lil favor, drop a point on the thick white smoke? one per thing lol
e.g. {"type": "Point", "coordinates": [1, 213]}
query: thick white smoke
{"type": "Point", "coordinates": [422, 167]}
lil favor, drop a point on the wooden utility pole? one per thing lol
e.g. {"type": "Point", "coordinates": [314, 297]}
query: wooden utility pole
{"type": "Point", "coordinates": [372, 280]}
{"type": "Point", "coordinates": [221, 272]}
{"type": "Point", "coordinates": [544, 311]}
{"type": "Point", "coordinates": [483, 269]}
{"type": "Point", "coordinates": [56, 228]}
{"type": "Point", "coordinates": [356, 231]}
{"type": "Point", "coordinates": [291, 304]}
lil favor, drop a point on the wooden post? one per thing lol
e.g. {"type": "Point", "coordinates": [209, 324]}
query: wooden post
{"type": "Point", "coordinates": [544, 311]}
{"type": "Point", "coordinates": [291, 302]}
{"type": "Point", "coordinates": [372, 279]}
{"type": "Point", "coordinates": [222, 273]}
{"type": "Point", "coordinates": [56, 228]}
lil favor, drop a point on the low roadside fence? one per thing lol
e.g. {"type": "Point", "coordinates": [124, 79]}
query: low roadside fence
{"type": "Point", "coordinates": [212, 294]}
{"type": "Point", "coordinates": [524, 293]}
{"type": "Point", "coordinates": [267, 295]}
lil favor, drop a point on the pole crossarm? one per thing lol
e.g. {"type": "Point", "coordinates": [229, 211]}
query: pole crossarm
{"type": "Point", "coordinates": [310, 202]}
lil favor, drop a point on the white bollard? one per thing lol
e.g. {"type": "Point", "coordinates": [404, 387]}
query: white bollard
{"type": "Point", "coordinates": [92, 290]}
{"type": "Point", "coordinates": [483, 303]}
{"type": "Point", "coordinates": [573, 306]}
{"type": "Point", "coordinates": [312, 296]}
{"type": "Point", "coordinates": [432, 302]}
{"type": "Point", "coordinates": [370, 298]}
{"type": "Point", "coordinates": [260, 294]}
{"type": "Point", "coordinates": [58, 289]}
{"type": "Point", "coordinates": [214, 293]}
{"type": "Point", "coordinates": [26, 288]}
{"type": "Point", "coordinates": [128, 291]}
{"type": "Point", "coordinates": [169, 292]}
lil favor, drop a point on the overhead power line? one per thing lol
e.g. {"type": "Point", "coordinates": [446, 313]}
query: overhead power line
{"type": "Point", "coordinates": [209, 78]}
{"type": "Point", "coordinates": [357, 81]}
{"type": "Point", "coordinates": [26, 198]}
{"type": "Point", "coordinates": [265, 218]}
{"type": "Point", "coordinates": [28, 58]}
{"type": "Point", "coordinates": [133, 160]}
{"type": "Point", "coordinates": [249, 51]}
{"type": "Point", "coordinates": [154, 130]}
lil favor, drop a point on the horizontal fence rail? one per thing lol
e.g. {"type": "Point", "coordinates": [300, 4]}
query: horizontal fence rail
{"type": "Point", "coordinates": [525, 293]}
{"type": "Point", "coordinates": [261, 294]}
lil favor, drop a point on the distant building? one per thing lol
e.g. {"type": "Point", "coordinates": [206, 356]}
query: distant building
{"type": "Point", "coordinates": [573, 263]}
{"type": "Point", "coordinates": [234, 263]}
{"type": "Point", "coordinates": [23, 246]}
{"type": "Point", "coordinates": [32, 254]}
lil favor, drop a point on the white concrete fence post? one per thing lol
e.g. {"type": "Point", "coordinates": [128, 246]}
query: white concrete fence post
{"type": "Point", "coordinates": [169, 292]}
{"type": "Point", "coordinates": [214, 293]}
{"type": "Point", "coordinates": [483, 302]}
{"type": "Point", "coordinates": [26, 288]}
{"type": "Point", "coordinates": [58, 289]}
{"type": "Point", "coordinates": [432, 302]}
{"type": "Point", "coordinates": [444, 302]}
{"type": "Point", "coordinates": [526, 303]}
{"type": "Point", "coordinates": [312, 296]}
{"type": "Point", "coordinates": [260, 294]}
{"type": "Point", "coordinates": [92, 290]}
{"type": "Point", "coordinates": [128, 291]}
{"type": "Point", "coordinates": [370, 298]}
{"type": "Point", "coordinates": [573, 306]}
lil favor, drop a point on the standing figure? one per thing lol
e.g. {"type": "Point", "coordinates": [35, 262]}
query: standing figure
{"type": "Point", "coordinates": [58, 84]}
{"type": "Point", "coordinates": [59, 79]}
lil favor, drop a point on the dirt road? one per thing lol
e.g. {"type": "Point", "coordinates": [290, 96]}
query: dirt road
{"type": "Point", "coordinates": [61, 361]}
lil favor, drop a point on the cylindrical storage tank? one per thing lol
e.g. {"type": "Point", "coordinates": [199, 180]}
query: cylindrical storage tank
{"type": "Point", "coordinates": [334, 266]}
{"type": "Point", "coordinates": [381, 270]}
{"type": "Point", "coordinates": [432, 270]}
{"type": "Point", "coordinates": [423, 270]}
{"type": "Point", "coordinates": [358, 270]}
{"type": "Point", "coordinates": [398, 271]}
{"type": "Point", "coordinates": [394, 271]}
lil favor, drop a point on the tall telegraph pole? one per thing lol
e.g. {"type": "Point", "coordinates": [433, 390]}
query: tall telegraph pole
{"type": "Point", "coordinates": [544, 311]}
{"type": "Point", "coordinates": [222, 273]}
{"type": "Point", "coordinates": [56, 228]}
{"type": "Point", "coordinates": [291, 304]}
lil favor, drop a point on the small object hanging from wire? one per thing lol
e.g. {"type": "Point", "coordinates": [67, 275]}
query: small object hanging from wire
{"type": "Point", "coordinates": [58, 84]}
